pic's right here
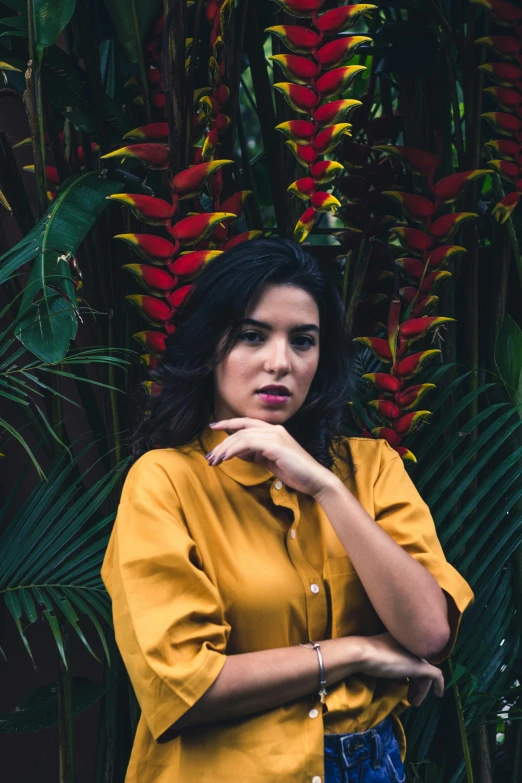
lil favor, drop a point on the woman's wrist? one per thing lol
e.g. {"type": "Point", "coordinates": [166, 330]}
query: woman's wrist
{"type": "Point", "coordinates": [342, 657]}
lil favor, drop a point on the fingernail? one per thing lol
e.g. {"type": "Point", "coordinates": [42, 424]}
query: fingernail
{"type": "Point", "coordinates": [212, 424]}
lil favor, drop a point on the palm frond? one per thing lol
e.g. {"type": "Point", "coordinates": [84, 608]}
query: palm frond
{"type": "Point", "coordinates": [52, 551]}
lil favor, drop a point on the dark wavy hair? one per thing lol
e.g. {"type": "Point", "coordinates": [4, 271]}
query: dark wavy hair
{"type": "Point", "coordinates": [213, 310]}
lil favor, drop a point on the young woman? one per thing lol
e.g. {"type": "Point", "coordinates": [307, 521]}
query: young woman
{"type": "Point", "coordinates": [278, 589]}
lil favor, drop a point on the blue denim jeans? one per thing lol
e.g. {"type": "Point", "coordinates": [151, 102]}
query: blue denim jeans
{"type": "Point", "coordinates": [363, 757]}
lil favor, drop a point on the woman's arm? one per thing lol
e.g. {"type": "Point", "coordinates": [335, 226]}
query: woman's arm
{"type": "Point", "coordinates": [256, 681]}
{"type": "Point", "coordinates": [404, 594]}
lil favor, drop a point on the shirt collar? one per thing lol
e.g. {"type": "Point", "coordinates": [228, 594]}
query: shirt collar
{"type": "Point", "coordinates": [246, 473]}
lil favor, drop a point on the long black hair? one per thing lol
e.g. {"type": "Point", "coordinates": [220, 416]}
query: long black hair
{"type": "Point", "coordinates": [213, 310]}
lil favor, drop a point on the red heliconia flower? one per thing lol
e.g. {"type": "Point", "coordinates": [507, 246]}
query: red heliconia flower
{"type": "Point", "coordinates": [503, 45]}
{"type": "Point", "coordinates": [506, 98]}
{"type": "Point", "coordinates": [418, 161]}
{"type": "Point", "coordinates": [322, 201]}
{"type": "Point", "coordinates": [305, 224]}
{"type": "Point", "coordinates": [412, 239]}
{"type": "Point", "coordinates": [334, 111]}
{"type": "Point", "coordinates": [153, 389]}
{"type": "Point", "coordinates": [412, 267]}
{"type": "Point", "coordinates": [153, 156]}
{"type": "Point", "coordinates": [505, 168]}
{"type": "Point", "coordinates": [245, 236]}
{"type": "Point", "coordinates": [505, 207]}
{"type": "Point", "coordinates": [504, 13]}
{"type": "Point", "coordinates": [51, 174]}
{"type": "Point", "coordinates": [235, 202]}
{"type": "Point", "coordinates": [328, 139]}
{"type": "Point", "coordinates": [333, 83]}
{"type": "Point", "coordinates": [504, 74]}
{"type": "Point", "coordinates": [195, 228]}
{"type": "Point", "coordinates": [388, 434]}
{"type": "Point", "coordinates": [301, 40]}
{"type": "Point", "coordinates": [177, 297]}
{"type": "Point", "coordinates": [151, 362]}
{"type": "Point", "coordinates": [150, 247]}
{"type": "Point", "coordinates": [155, 342]}
{"type": "Point", "coordinates": [189, 264]}
{"type": "Point", "coordinates": [405, 454]}
{"type": "Point", "coordinates": [210, 145]}
{"type": "Point", "coordinates": [300, 131]}
{"type": "Point", "coordinates": [416, 328]}
{"type": "Point", "coordinates": [337, 52]}
{"type": "Point", "coordinates": [422, 303]}
{"type": "Point", "coordinates": [416, 207]}
{"type": "Point", "coordinates": [190, 182]}
{"type": "Point", "coordinates": [448, 189]}
{"type": "Point", "coordinates": [155, 311]}
{"type": "Point", "coordinates": [300, 69]}
{"type": "Point", "coordinates": [431, 281]}
{"type": "Point", "coordinates": [407, 423]}
{"type": "Point", "coordinates": [325, 171]}
{"type": "Point", "coordinates": [378, 346]}
{"type": "Point", "coordinates": [302, 8]}
{"type": "Point", "coordinates": [438, 256]}
{"type": "Point", "coordinates": [340, 19]}
{"type": "Point", "coordinates": [155, 131]}
{"type": "Point", "coordinates": [305, 154]}
{"type": "Point", "coordinates": [299, 98]}
{"type": "Point", "coordinates": [410, 397]}
{"type": "Point", "coordinates": [152, 278]}
{"type": "Point", "coordinates": [414, 363]}
{"type": "Point", "coordinates": [504, 147]}
{"type": "Point", "coordinates": [385, 408]}
{"type": "Point", "coordinates": [445, 226]}
{"type": "Point", "coordinates": [303, 188]}
{"type": "Point", "coordinates": [506, 124]}
{"type": "Point", "coordinates": [383, 381]}
{"type": "Point", "coordinates": [150, 209]}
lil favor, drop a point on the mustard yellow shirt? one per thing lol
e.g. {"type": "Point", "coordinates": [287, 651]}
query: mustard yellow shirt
{"type": "Point", "coordinates": [205, 561]}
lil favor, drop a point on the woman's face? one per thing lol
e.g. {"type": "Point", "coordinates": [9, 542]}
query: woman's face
{"type": "Point", "coordinates": [282, 348]}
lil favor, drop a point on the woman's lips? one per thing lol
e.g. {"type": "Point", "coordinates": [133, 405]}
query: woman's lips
{"type": "Point", "coordinates": [273, 399]}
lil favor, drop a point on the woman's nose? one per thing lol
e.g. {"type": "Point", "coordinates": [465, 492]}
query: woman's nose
{"type": "Point", "coordinates": [278, 356]}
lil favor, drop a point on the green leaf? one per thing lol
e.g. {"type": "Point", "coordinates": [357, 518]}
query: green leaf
{"type": "Point", "coordinates": [46, 326]}
{"type": "Point", "coordinates": [39, 709]}
{"type": "Point", "coordinates": [508, 357]}
{"type": "Point", "coordinates": [122, 15]}
{"type": "Point", "coordinates": [51, 18]}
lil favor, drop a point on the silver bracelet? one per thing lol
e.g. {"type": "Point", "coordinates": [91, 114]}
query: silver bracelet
{"type": "Point", "coordinates": [322, 678]}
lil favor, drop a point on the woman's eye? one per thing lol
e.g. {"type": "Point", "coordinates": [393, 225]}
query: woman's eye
{"type": "Point", "coordinates": [309, 341]}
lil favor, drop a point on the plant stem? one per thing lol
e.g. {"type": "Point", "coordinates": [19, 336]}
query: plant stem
{"type": "Point", "coordinates": [141, 59]}
{"type": "Point", "coordinates": [33, 101]}
{"type": "Point", "coordinates": [358, 279]}
{"type": "Point", "coordinates": [462, 728]}
{"type": "Point", "coordinates": [65, 716]}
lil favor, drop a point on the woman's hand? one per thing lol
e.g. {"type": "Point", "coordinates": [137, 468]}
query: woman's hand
{"type": "Point", "coordinates": [273, 447]}
{"type": "Point", "coordinates": [383, 656]}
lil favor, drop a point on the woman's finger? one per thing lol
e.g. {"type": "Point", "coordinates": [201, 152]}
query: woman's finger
{"type": "Point", "coordinates": [418, 690]}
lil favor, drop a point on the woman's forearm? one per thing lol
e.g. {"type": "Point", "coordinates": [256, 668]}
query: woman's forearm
{"type": "Point", "coordinates": [404, 594]}
{"type": "Point", "coordinates": [256, 681]}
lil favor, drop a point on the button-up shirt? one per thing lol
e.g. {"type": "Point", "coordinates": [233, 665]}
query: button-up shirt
{"type": "Point", "coordinates": [205, 562]}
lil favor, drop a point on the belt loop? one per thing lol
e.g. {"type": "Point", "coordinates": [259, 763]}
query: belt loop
{"type": "Point", "coordinates": [377, 749]}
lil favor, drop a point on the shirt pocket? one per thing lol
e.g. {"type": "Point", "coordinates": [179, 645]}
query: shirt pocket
{"type": "Point", "coordinates": [351, 610]}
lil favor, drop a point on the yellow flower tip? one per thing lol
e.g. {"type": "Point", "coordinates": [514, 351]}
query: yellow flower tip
{"type": "Point", "coordinates": [24, 143]}
{"type": "Point", "coordinates": [122, 152]}
{"type": "Point", "coordinates": [131, 238]}
{"type": "Point", "coordinates": [29, 168]}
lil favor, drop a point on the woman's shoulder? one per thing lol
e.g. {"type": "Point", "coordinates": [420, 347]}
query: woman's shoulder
{"type": "Point", "coordinates": [362, 456]}
{"type": "Point", "coordinates": [161, 468]}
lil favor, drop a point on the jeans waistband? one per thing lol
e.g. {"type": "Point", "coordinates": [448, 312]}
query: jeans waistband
{"type": "Point", "coordinates": [371, 743]}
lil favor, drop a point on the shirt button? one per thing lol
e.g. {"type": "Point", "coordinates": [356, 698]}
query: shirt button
{"type": "Point", "coordinates": [292, 534]}
{"type": "Point", "coordinates": [315, 588]}
{"type": "Point", "coordinates": [313, 713]}
{"type": "Point", "coordinates": [316, 779]}
{"type": "Point", "coordinates": [278, 484]}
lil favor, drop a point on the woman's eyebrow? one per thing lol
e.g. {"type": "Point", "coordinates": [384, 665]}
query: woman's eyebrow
{"type": "Point", "coordinates": [301, 328]}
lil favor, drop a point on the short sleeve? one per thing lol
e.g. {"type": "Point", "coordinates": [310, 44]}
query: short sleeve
{"type": "Point", "coordinates": [168, 617]}
{"type": "Point", "coordinates": [403, 514]}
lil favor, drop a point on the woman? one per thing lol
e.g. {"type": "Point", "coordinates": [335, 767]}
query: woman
{"type": "Point", "coordinates": [249, 531]}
